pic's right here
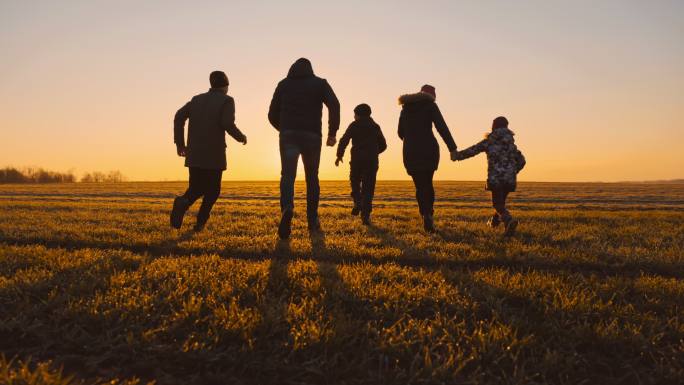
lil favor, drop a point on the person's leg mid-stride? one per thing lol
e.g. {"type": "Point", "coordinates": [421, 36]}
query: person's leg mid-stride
{"type": "Point", "coordinates": [289, 158]}
{"type": "Point", "coordinates": [311, 157]}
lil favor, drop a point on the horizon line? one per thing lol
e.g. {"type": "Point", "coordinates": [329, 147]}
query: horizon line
{"type": "Point", "coordinates": [674, 180]}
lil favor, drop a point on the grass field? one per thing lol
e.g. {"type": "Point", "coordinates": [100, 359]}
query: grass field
{"type": "Point", "coordinates": [95, 288]}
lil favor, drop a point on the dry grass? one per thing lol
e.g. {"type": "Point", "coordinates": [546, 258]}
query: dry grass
{"type": "Point", "coordinates": [94, 287]}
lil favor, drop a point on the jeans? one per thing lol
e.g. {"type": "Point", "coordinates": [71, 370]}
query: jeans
{"type": "Point", "coordinates": [425, 192]}
{"type": "Point", "coordinates": [499, 203]}
{"type": "Point", "coordinates": [207, 184]}
{"type": "Point", "coordinates": [362, 176]}
{"type": "Point", "coordinates": [292, 145]}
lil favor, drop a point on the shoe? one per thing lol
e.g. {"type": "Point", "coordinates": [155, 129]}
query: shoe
{"type": "Point", "coordinates": [202, 219]}
{"type": "Point", "coordinates": [365, 219]}
{"type": "Point", "coordinates": [494, 221]}
{"type": "Point", "coordinates": [180, 206]}
{"type": "Point", "coordinates": [355, 211]}
{"type": "Point", "coordinates": [314, 226]}
{"type": "Point", "coordinates": [510, 228]}
{"type": "Point", "coordinates": [285, 226]}
{"type": "Point", "coordinates": [429, 224]}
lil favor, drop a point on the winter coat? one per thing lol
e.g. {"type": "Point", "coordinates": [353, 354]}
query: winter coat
{"type": "Point", "coordinates": [298, 100]}
{"type": "Point", "coordinates": [211, 115]}
{"type": "Point", "coordinates": [421, 151]}
{"type": "Point", "coordinates": [367, 140]}
{"type": "Point", "coordinates": [504, 160]}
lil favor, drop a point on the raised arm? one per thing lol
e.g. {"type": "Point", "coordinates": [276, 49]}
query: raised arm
{"type": "Point", "coordinates": [473, 150]}
{"type": "Point", "coordinates": [228, 121]}
{"type": "Point", "coordinates": [330, 101]}
{"type": "Point", "coordinates": [179, 124]}
{"type": "Point", "coordinates": [442, 128]}
{"type": "Point", "coordinates": [274, 109]}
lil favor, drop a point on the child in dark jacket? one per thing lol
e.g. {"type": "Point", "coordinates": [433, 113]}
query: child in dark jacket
{"type": "Point", "coordinates": [367, 143]}
{"type": "Point", "coordinates": [504, 162]}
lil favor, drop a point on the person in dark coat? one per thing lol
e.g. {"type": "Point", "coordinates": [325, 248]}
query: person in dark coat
{"type": "Point", "coordinates": [421, 150]}
{"type": "Point", "coordinates": [367, 143]}
{"type": "Point", "coordinates": [296, 111]}
{"type": "Point", "coordinates": [504, 162]}
{"type": "Point", "coordinates": [211, 115]}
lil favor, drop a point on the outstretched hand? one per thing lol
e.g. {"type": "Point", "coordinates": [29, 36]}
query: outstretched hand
{"type": "Point", "coordinates": [244, 140]}
{"type": "Point", "coordinates": [331, 141]}
{"type": "Point", "coordinates": [338, 161]}
{"type": "Point", "coordinates": [181, 150]}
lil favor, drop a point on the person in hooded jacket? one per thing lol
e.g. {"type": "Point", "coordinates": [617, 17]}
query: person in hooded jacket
{"type": "Point", "coordinates": [421, 151]}
{"type": "Point", "coordinates": [211, 115]}
{"type": "Point", "coordinates": [367, 143]}
{"type": "Point", "coordinates": [504, 162]}
{"type": "Point", "coordinates": [296, 111]}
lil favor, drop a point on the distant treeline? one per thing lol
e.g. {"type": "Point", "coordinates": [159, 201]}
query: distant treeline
{"type": "Point", "coordinates": [112, 176]}
{"type": "Point", "coordinates": [39, 175]}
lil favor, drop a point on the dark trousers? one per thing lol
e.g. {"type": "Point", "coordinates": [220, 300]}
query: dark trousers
{"type": "Point", "coordinates": [362, 175]}
{"type": "Point", "coordinates": [207, 184]}
{"type": "Point", "coordinates": [425, 192]}
{"type": "Point", "coordinates": [499, 203]}
{"type": "Point", "coordinates": [292, 145]}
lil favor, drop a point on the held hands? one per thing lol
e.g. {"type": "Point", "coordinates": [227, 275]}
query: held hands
{"type": "Point", "coordinates": [331, 141]}
{"type": "Point", "coordinates": [455, 155]}
{"type": "Point", "coordinates": [338, 161]}
{"type": "Point", "coordinates": [181, 150]}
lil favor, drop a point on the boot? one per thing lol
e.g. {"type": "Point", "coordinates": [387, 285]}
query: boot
{"type": "Point", "coordinates": [314, 225]}
{"type": "Point", "coordinates": [180, 206]}
{"type": "Point", "coordinates": [511, 225]}
{"type": "Point", "coordinates": [494, 221]}
{"type": "Point", "coordinates": [429, 224]}
{"type": "Point", "coordinates": [202, 219]}
{"type": "Point", "coordinates": [355, 210]}
{"type": "Point", "coordinates": [285, 226]}
{"type": "Point", "coordinates": [365, 219]}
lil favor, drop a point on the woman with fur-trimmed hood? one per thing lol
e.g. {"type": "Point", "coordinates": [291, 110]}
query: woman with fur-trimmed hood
{"type": "Point", "coordinates": [421, 150]}
{"type": "Point", "coordinates": [504, 162]}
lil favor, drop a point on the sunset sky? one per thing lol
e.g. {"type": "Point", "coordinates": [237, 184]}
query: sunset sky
{"type": "Point", "coordinates": [593, 89]}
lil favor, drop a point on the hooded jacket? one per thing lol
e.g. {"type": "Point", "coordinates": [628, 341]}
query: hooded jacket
{"type": "Point", "coordinates": [504, 160]}
{"type": "Point", "coordinates": [297, 103]}
{"type": "Point", "coordinates": [421, 150]}
{"type": "Point", "coordinates": [367, 140]}
{"type": "Point", "coordinates": [211, 115]}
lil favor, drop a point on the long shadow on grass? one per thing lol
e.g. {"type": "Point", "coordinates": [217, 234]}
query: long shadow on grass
{"type": "Point", "coordinates": [337, 359]}
{"type": "Point", "coordinates": [43, 320]}
{"type": "Point", "coordinates": [598, 347]}
{"type": "Point", "coordinates": [410, 257]}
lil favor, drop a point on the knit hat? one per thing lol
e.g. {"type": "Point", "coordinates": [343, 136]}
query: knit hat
{"type": "Point", "coordinates": [428, 89]}
{"type": "Point", "coordinates": [363, 110]}
{"type": "Point", "coordinates": [218, 79]}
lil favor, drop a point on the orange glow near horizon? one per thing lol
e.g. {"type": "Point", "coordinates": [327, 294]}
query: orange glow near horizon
{"type": "Point", "coordinates": [592, 92]}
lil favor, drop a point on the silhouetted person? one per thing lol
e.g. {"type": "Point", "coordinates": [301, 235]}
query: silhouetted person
{"type": "Point", "coordinates": [296, 110]}
{"type": "Point", "coordinates": [504, 162]}
{"type": "Point", "coordinates": [421, 151]}
{"type": "Point", "coordinates": [211, 115]}
{"type": "Point", "coordinates": [367, 143]}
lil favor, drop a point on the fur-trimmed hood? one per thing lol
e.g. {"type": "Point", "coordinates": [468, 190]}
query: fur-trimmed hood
{"type": "Point", "coordinates": [415, 98]}
{"type": "Point", "coordinates": [499, 132]}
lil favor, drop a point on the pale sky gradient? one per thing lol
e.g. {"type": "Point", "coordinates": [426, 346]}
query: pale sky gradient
{"type": "Point", "coordinates": [593, 89]}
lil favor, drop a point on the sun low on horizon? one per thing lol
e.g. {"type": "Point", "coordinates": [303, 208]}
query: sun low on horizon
{"type": "Point", "coordinates": [593, 91]}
